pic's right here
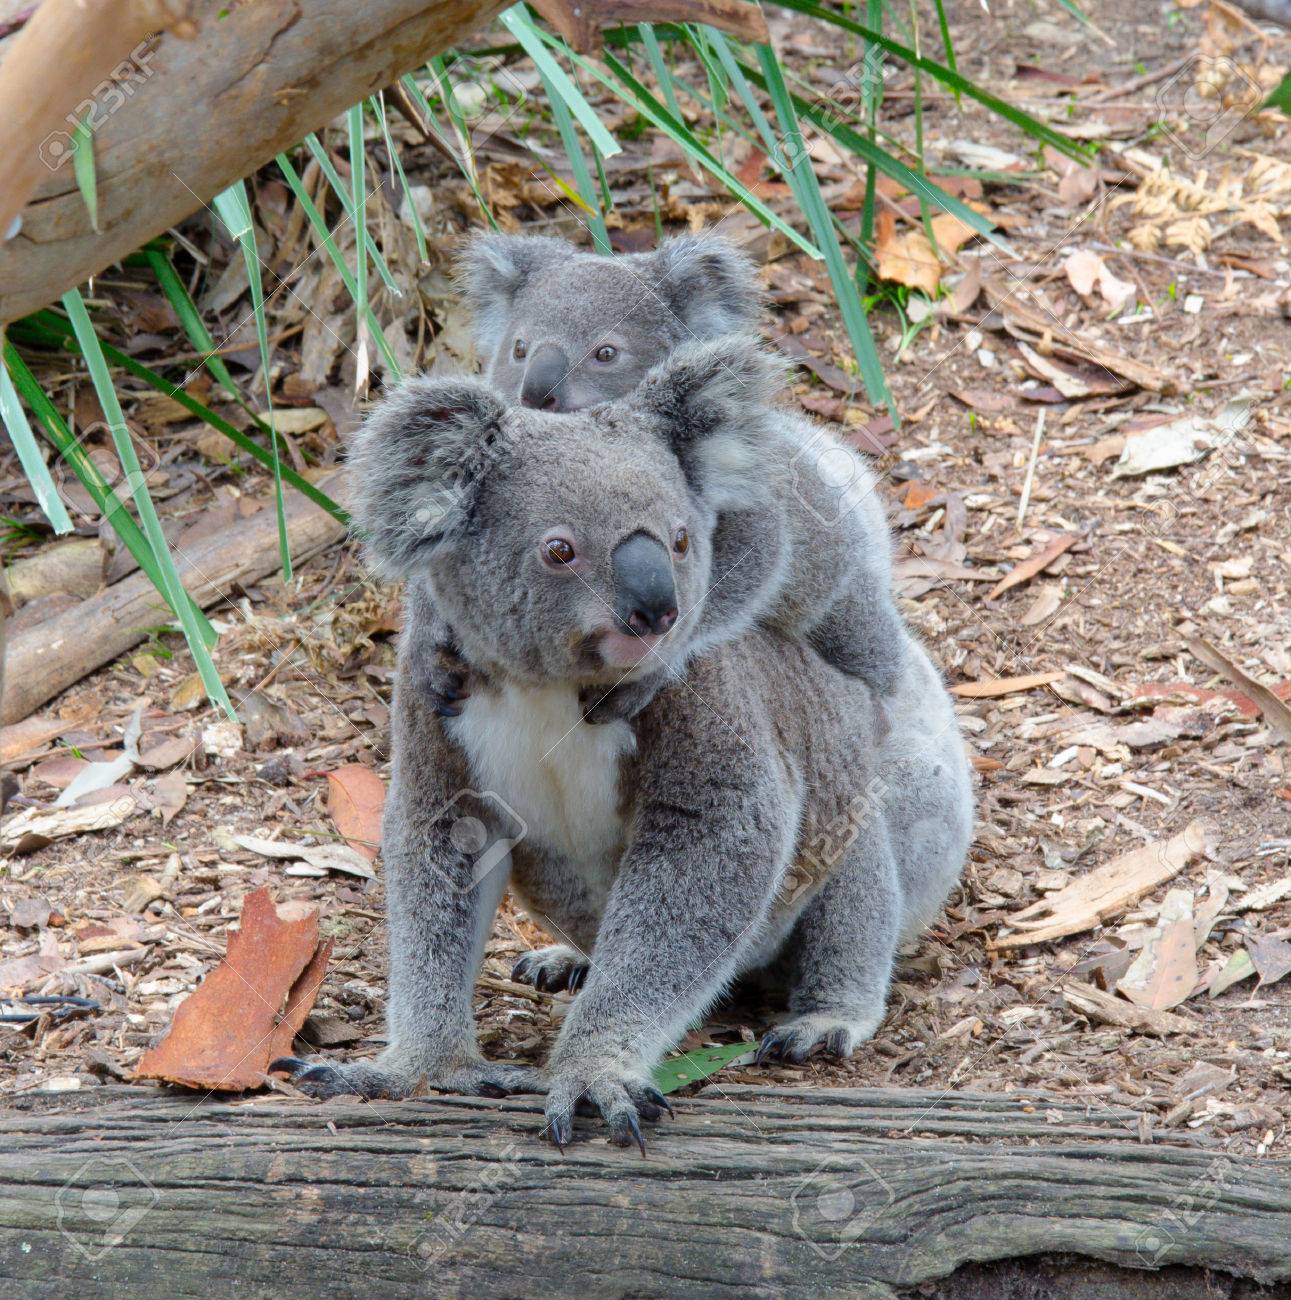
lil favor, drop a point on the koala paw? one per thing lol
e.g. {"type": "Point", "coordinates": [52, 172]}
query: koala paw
{"type": "Point", "coordinates": [797, 1039]}
{"type": "Point", "coordinates": [373, 1081]}
{"type": "Point", "coordinates": [621, 1102]}
{"type": "Point", "coordinates": [552, 969]}
{"type": "Point", "coordinates": [446, 680]}
{"type": "Point", "coordinates": [621, 703]}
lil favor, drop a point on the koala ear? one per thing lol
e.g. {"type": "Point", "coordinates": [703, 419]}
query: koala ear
{"type": "Point", "coordinates": [415, 464]}
{"type": "Point", "coordinates": [713, 400]}
{"type": "Point", "coordinates": [709, 283]}
{"type": "Point", "coordinates": [492, 270]}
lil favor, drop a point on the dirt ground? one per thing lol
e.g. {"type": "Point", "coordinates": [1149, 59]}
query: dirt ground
{"type": "Point", "coordinates": [1126, 739]}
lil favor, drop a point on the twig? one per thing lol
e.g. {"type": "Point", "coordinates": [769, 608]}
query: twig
{"type": "Point", "coordinates": [1138, 83]}
{"type": "Point", "coordinates": [1035, 451]}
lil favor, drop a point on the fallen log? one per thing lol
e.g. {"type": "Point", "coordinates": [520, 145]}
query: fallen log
{"type": "Point", "coordinates": [184, 120]}
{"type": "Point", "coordinates": [748, 1190]}
{"type": "Point", "coordinates": [52, 655]}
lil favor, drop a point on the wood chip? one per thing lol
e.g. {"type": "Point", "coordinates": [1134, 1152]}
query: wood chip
{"type": "Point", "coordinates": [1107, 1009]}
{"type": "Point", "coordinates": [1276, 712]}
{"type": "Point", "coordinates": [1034, 564]}
{"type": "Point", "coordinates": [991, 687]}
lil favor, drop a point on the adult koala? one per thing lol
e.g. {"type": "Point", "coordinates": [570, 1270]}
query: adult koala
{"type": "Point", "coordinates": [757, 815]}
{"type": "Point", "coordinates": [562, 329]}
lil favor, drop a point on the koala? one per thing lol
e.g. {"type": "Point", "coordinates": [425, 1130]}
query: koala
{"type": "Point", "coordinates": [562, 330]}
{"type": "Point", "coordinates": [755, 816]}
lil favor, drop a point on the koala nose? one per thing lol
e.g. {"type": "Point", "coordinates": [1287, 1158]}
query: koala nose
{"type": "Point", "coordinates": [547, 370]}
{"type": "Point", "coordinates": [645, 600]}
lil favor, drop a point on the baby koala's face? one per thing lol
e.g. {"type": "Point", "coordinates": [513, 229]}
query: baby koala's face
{"type": "Point", "coordinates": [581, 333]}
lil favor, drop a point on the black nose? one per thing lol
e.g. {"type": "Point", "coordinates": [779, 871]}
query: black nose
{"type": "Point", "coordinates": [546, 372]}
{"type": "Point", "coordinates": [645, 600]}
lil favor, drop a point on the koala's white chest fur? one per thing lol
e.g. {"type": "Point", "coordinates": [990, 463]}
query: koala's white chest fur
{"type": "Point", "coordinates": [558, 774]}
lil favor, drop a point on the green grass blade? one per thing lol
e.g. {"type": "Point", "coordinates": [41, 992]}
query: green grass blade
{"type": "Point", "coordinates": [1038, 130]}
{"type": "Point", "coordinates": [662, 75]}
{"type": "Point", "coordinates": [191, 319]}
{"type": "Point", "coordinates": [358, 196]}
{"type": "Point", "coordinates": [947, 44]}
{"type": "Point", "coordinates": [344, 194]}
{"type": "Point", "coordinates": [129, 461]}
{"type": "Point", "coordinates": [110, 505]}
{"type": "Point", "coordinates": [29, 457]}
{"type": "Point", "coordinates": [315, 219]}
{"type": "Point", "coordinates": [83, 168]}
{"type": "Point", "coordinates": [626, 87]}
{"type": "Point", "coordinates": [802, 178]}
{"type": "Point", "coordinates": [578, 165]}
{"type": "Point", "coordinates": [235, 211]}
{"type": "Point", "coordinates": [465, 159]}
{"type": "Point", "coordinates": [561, 86]}
{"type": "Point", "coordinates": [49, 330]}
{"type": "Point", "coordinates": [419, 231]}
{"type": "Point", "coordinates": [885, 162]}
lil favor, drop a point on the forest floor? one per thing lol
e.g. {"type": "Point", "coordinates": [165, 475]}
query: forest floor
{"type": "Point", "coordinates": [1134, 298]}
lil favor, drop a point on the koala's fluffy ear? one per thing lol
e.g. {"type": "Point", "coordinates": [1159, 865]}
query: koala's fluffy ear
{"type": "Point", "coordinates": [492, 270]}
{"type": "Point", "coordinates": [415, 463]}
{"type": "Point", "coordinates": [713, 400]}
{"type": "Point", "coordinates": [711, 285]}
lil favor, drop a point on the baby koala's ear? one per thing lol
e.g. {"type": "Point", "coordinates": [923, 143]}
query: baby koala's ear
{"type": "Point", "coordinates": [713, 401]}
{"type": "Point", "coordinates": [711, 285]}
{"type": "Point", "coordinates": [415, 463]}
{"type": "Point", "coordinates": [491, 271]}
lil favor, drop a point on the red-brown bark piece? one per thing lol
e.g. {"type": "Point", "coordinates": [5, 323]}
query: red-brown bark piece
{"type": "Point", "coordinates": [225, 1033]}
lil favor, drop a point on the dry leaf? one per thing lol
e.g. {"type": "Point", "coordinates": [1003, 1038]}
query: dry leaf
{"type": "Point", "coordinates": [29, 736]}
{"type": "Point", "coordinates": [355, 798]}
{"type": "Point", "coordinates": [991, 687]}
{"type": "Point", "coordinates": [169, 795]}
{"type": "Point", "coordinates": [322, 857]}
{"type": "Point", "coordinates": [1275, 711]}
{"type": "Point", "coordinates": [1034, 564]}
{"type": "Point", "coordinates": [1271, 958]}
{"type": "Point", "coordinates": [1106, 890]}
{"type": "Point", "coordinates": [1182, 441]}
{"type": "Point", "coordinates": [906, 257]}
{"type": "Point", "coordinates": [1263, 897]}
{"type": "Point", "coordinates": [1164, 974]}
{"type": "Point", "coordinates": [223, 1034]}
{"type": "Point", "coordinates": [33, 828]}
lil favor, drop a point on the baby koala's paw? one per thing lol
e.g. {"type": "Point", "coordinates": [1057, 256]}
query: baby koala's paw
{"type": "Point", "coordinates": [374, 1080]}
{"type": "Point", "coordinates": [621, 703]}
{"type": "Point", "coordinates": [445, 677]}
{"type": "Point", "coordinates": [552, 969]}
{"type": "Point", "coordinates": [830, 1031]}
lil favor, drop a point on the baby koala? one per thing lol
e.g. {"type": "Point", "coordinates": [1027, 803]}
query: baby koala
{"type": "Point", "coordinates": [562, 329]}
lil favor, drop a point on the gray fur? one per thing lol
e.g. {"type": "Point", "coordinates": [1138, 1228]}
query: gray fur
{"type": "Point", "coordinates": [763, 811]}
{"type": "Point", "coordinates": [565, 303]}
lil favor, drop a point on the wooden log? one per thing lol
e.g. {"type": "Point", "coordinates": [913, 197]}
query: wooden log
{"type": "Point", "coordinates": [755, 1191]}
{"type": "Point", "coordinates": [189, 118]}
{"type": "Point", "coordinates": [52, 655]}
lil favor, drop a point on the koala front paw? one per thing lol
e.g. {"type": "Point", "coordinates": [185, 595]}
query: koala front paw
{"type": "Point", "coordinates": [797, 1039]}
{"type": "Point", "coordinates": [552, 969]}
{"type": "Point", "coordinates": [445, 678]}
{"type": "Point", "coordinates": [621, 703]}
{"type": "Point", "coordinates": [374, 1081]}
{"type": "Point", "coordinates": [621, 1101]}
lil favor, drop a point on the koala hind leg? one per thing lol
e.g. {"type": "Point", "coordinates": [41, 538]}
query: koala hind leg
{"type": "Point", "coordinates": [842, 948]}
{"type": "Point", "coordinates": [864, 635]}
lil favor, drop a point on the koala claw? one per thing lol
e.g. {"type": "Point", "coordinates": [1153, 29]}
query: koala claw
{"type": "Point", "coordinates": [553, 968]}
{"type": "Point", "coordinates": [622, 1104]}
{"type": "Point", "coordinates": [797, 1039]}
{"type": "Point", "coordinates": [360, 1078]}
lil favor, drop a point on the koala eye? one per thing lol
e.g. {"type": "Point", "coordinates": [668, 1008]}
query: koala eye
{"type": "Point", "coordinates": [521, 350]}
{"type": "Point", "coordinates": [556, 551]}
{"type": "Point", "coordinates": [681, 541]}
{"type": "Point", "coordinates": [607, 353]}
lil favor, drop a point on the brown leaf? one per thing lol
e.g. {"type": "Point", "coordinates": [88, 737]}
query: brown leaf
{"type": "Point", "coordinates": [1275, 711]}
{"type": "Point", "coordinates": [1164, 974]}
{"type": "Point", "coordinates": [355, 797]}
{"type": "Point", "coordinates": [29, 735]}
{"type": "Point", "coordinates": [223, 1034]}
{"type": "Point", "coordinates": [166, 753]}
{"type": "Point", "coordinates": [1106, 890]}
{"type": "Point", "coordinates": [169, 795]}
{"type": "Point", "coordinates": [1271, 957]}
{"type": "Point", "coordinates": [1034, 564]}
{"type": "Point", "coordinates": [300, 1001]}
{"type": "Point", "coordinates": [905, 257]}
{"type": "Point", "coordinates": [993, 686]}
